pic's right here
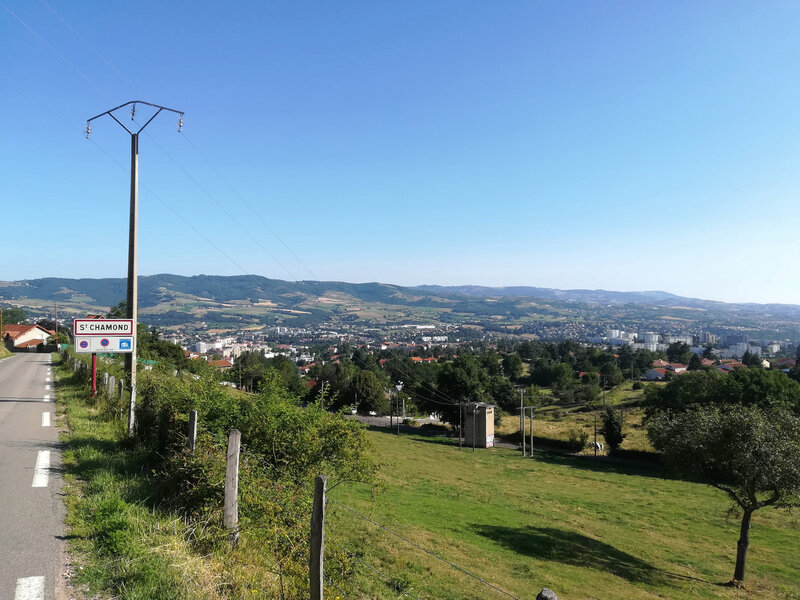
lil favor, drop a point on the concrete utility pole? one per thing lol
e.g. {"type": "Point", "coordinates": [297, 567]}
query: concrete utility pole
{"type": "Point", "coordinates": [133, 288]}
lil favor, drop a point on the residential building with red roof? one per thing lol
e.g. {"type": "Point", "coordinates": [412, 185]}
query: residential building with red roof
{"type": "Point", "coordinates": [25, 337]}
{"type": "Point", "coordinates": [223, 365]}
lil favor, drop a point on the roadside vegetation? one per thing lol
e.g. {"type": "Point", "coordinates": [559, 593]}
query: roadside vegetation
{"type": "Point", "coordinates": [145, 515]}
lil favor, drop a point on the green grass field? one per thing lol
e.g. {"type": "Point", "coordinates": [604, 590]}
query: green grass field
{"type": "Point", "coordinates": [583, 528]}
{"type": "Point", "coordinates": [587, 529]}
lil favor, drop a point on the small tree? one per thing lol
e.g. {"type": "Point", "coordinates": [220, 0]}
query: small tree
{"type": "Point", "coordinates": [678, 352]}
{"type": "Point", "coordinates": [612, 429]}
{"type": "Point", "coordinates": [751, 360]}
{"type": "Point", "coordinates": [750, 453]}
{"type": "Point", "coordinates": [512, 366]}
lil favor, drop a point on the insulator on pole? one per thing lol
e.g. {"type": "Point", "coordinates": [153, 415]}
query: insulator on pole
{"type": "Point", "coordinates": [133, 111]}
{"type": "Point", "coordinates": [180, 123]}
{"type": "Point", "coordinates": [88, 130]}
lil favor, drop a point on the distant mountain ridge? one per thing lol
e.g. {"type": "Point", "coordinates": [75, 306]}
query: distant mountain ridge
{"type": "Point", "coordinates": [607, 297]}
{"type": "Point", "coordinates": [578, 295]}
{"type": "Point", "coordinates": [109, 291]}
{"type": "Point", "coordinates": [173, 299]}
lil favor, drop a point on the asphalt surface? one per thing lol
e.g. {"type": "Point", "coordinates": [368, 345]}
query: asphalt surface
{"type": "Point", "coordinates": [31, 508]}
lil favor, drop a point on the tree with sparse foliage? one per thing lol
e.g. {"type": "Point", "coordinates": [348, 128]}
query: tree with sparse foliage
{"type": "Point", "coordinates": [750, 453]}
{"type": "Point", "coordinates": [612, 429]}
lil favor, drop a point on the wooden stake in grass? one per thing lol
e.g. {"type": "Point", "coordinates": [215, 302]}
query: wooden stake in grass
{"type": "Point", "coordinates": [317, 554]}
{"type": "Point", "coordinates": [231, 515]}
{"type": "Point", "coordinates": [192, 430]}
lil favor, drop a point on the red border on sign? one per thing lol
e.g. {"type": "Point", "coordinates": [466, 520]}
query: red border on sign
{"type": "Point", "coordinates": [104, 333]}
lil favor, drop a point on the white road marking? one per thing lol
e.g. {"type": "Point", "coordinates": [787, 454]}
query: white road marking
{"type": "Point", "coordinates": [47, 379]}
{"type": "Point", "coordinates": [47, 387]}
{"type": "Point", "coordinates": [46, 398]}
{"type": "Point", "coordinates": [30, 588]}
{"type": "Point", "coordinates": [41, 473]}
{"type": "Point", "coordinates": [45, 419]}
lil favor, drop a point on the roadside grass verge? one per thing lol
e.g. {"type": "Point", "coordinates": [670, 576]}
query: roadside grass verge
{"type": "Point", "coordinates": [122, 544]}
{"type": "Point", "coordinates": [120, 547]}
{"type": "Point", "coordinates": [586, 529]}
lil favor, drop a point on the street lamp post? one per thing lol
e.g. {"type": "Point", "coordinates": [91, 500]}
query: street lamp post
{"type": "Point", "coordinates": [133, 290]}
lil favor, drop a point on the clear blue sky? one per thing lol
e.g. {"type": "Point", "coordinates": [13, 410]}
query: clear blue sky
{"type": "Point", "coordinates": [619, 145]}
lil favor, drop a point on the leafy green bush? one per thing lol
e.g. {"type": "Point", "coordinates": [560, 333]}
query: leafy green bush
{"type": "Point", "coordinates": [612, 429]}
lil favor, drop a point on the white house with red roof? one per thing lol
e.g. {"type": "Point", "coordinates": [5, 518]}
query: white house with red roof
{"type": "Point", "coordinates": [25, 337]}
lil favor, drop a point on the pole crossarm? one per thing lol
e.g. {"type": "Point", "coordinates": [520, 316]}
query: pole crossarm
{"type": "Point", "coordinates": [110, 113]}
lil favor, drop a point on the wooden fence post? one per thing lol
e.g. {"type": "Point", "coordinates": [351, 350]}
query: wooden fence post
{"type": "Point", "coordinates": [231, 515]}
{"type": "Point", "coordinates": [192, 430]}
{"type": "Point", "coordinates": [531, 431]}
{"type": "Point", "coordinates": [317, 554]}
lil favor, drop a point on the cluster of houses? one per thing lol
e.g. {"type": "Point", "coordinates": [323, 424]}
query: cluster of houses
{"type": "Point", "coordinates": [662, 370]}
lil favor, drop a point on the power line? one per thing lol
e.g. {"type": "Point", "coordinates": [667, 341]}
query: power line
{"type": "Point", "coordinates": [174, 212]}
{"type": "Point", "coordinates": [92, 48]}
{"type": "Point", "coordinates": [152, 193]}
{"type": "Point", "coordinates": [90, 81]}
{"type": "Point", "coordinates": [73, 127]}
{"type": "Point", "coordinates": [446, 400]}
{"type": "Point", "coordinates": [56, 52]}
{"type": "Point", "coordinates": [247, 204]}
{"type": "Point", "coordinates": [397, 360]}
{"type": "Point", "coordinates": [189, 175]}
{"type": "Point", "coordinates": [221, 207]}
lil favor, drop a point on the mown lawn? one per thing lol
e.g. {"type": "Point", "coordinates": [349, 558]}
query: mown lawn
{"type": "Point", "coordinates": [585, 529]}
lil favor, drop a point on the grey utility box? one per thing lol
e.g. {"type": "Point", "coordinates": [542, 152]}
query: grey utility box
{"type": "Point", "coordinates": [479, 425]}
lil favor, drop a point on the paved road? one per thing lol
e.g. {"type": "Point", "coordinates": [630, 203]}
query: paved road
{"type": "Point", "coordinates": [31, 510]}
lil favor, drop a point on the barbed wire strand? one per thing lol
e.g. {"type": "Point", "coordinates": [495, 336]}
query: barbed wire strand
{"type": "Point", "coordinates": [425, 550]}
{"type": "Point", "coordinates": [381, 574]}
{"type": "Point", "coordinates": [330, 582]}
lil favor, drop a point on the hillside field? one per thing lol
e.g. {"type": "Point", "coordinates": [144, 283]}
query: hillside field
{"type": "Point", "coordinates": [583, 528]}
